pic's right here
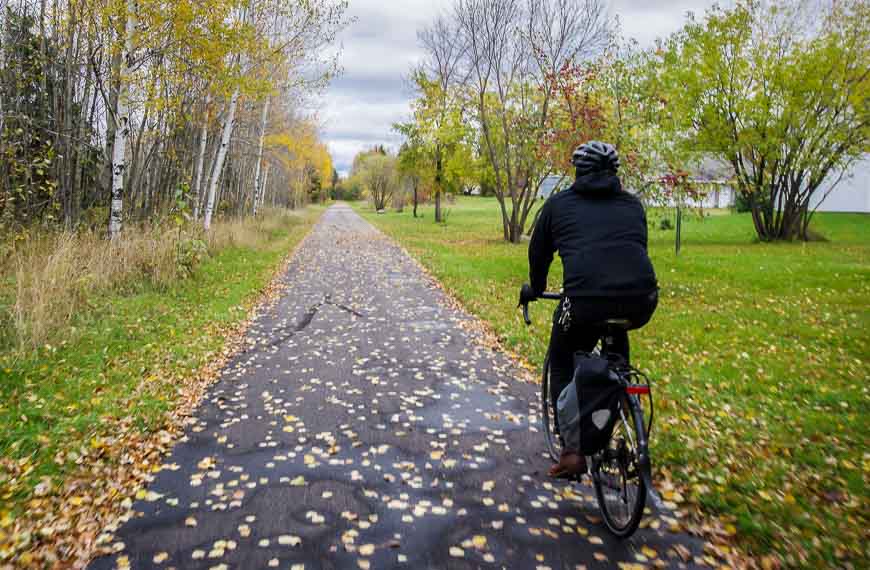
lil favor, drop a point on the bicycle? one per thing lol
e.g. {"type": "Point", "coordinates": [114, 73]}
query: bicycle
{"type": "Point", "coordinates": [621, 472]}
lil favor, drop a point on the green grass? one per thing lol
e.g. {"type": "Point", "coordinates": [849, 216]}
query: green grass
{"type": "Point", "coordinates": [758, 354]}
{"type": "Point", "coordinates": [122, 361]}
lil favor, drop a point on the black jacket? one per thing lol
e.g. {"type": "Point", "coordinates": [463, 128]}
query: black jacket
{"type": "Point", "coordinates": [600, 233]}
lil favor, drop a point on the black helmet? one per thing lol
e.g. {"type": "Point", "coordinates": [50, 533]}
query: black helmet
{"type": "Point", "coordinates": [595, 156]}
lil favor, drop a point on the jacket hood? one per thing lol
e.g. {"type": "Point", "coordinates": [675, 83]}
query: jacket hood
{"type": "Point", "coordinates": [597, 184]}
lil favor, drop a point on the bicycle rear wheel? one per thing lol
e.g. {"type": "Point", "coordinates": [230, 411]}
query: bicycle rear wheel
{"type": "Point", "coordinates": [617, 471]}
{"type": "Point", "coordinates": [548, 414]}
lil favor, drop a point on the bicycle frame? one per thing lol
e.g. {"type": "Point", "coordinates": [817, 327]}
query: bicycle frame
{"type": "Point", "coordinates": [633, 393]}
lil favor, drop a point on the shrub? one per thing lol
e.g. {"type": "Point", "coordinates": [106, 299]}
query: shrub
{"type": "Point", "coordinates": [189, 253]}
{"type": "Point", "coordinates": [741, 204]}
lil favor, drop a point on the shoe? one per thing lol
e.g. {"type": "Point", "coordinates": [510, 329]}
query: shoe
{"type": "Point", "coordinates": [571, 464]}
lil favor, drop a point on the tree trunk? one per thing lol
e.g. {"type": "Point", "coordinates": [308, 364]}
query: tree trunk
{"type": "Point", "coordinates": [257, 181]}
{"type": "Point", "coordinates": [200, 161]}
{"type": "Point", "coordinates": [438, 179]}
{"type": "Point", "coordinates": [678, 234]}
{"type": "Point", "coordinates": [111, 123]}
{"type": "Point", "coordinates": [265, 181]}
{"type": "Point", "coordinates": [219, 163]}
{"type": "Point", "coordinates": [415, 199]}
{"type": "Point", "coordinates": [516, 231]}
{"type": "Point", "coordinates": [122, 117]}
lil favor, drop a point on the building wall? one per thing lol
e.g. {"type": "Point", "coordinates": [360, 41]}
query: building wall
{"type": "Point", "coordinates": [550, 183]}
{"type": "Point", "coordinates": [852, 194]}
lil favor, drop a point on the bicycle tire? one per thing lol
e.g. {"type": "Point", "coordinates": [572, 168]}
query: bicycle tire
{"type": "Point", "coordinates": [623, 527]}
{"type": "Point", "coordinates": [548, 414]}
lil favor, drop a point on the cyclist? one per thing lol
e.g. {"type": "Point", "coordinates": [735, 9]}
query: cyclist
{"type": "Point", "coordinates": [600, 232]}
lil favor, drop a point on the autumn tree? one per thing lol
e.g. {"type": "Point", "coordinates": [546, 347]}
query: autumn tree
{"type": "Point", "coordinates": [375, 172]}
{"type": "Point", "coordinates": [437, 127]}
{"type": "Point", "coordinates": [779, 90]}
{"type": "Point", "coordinates": [302, 165]}
{"type": "Point", "coordinates": [438, 136]}
{"type": "Point", "coordinates": [510, 49]}
{"type": "Point", "coordinates": [412, 167]}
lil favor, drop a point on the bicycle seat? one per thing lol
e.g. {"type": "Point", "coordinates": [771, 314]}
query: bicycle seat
{"type": "Point", "coordinates": [615, 324]}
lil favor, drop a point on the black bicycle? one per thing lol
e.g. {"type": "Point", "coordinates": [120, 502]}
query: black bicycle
{"type": "Point", "coordinates": [621, 472]}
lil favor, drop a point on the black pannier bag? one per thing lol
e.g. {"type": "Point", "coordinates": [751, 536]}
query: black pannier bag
{"type": "Point", "coordinates": [588, 407]}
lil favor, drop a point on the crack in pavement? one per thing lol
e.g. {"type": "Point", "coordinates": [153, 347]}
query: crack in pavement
{"type": "Point", "coordinates": [308, 316]}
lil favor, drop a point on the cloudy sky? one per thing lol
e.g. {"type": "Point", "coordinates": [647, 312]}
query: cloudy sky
{"type": "Point", "coordinates": [381, 46]}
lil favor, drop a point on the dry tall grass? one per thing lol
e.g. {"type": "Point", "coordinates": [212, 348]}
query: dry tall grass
{"type": "Point", "coordinates": [58, 275]}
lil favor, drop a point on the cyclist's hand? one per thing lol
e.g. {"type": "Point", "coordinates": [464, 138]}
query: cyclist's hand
{"type": "Point", "coordinates": [526, 295]}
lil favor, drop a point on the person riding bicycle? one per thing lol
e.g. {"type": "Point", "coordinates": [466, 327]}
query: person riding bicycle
{"type": "Point", "coordinates": [600, 232]}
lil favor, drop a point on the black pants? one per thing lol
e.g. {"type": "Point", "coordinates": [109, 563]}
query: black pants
{"type": "Point", "coordinates": [583, 335]}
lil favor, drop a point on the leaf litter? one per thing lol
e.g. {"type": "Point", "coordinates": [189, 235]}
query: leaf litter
{"type": "Point", "coordinates": [385, 421]}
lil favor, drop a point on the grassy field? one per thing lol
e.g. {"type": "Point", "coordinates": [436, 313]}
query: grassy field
{"type": "Point", "coordinates": [116, 372]}
{"type": "Point", "coordinates": [758, 354]}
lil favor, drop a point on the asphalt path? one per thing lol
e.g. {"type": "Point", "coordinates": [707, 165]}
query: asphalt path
{"type": "Point", "coordinates": [365, 426]}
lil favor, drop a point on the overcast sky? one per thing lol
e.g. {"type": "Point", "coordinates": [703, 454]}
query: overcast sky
{"type": "Point", "coordinates": [381, 46]}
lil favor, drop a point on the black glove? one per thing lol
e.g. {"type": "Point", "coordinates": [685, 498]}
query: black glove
{"type": "Point", "coordinates": [526, 295]}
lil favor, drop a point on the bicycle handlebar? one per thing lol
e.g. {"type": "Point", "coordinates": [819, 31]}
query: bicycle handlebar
{"type": "Point", "coordinates": [545, 295]}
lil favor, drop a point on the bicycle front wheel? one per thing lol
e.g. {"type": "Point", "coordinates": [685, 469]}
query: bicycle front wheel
{"type": "Point", "coordinates": [548, 414]}
{"type": "Point", "coordinates": [617, 471]}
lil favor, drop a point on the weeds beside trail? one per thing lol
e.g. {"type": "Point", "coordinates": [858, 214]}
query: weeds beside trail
{"type": "Point", "coordinates": [759, 356]}
{"type": "Point", "coordinates": [51, 278]}
{"type": "Point", "coordinates": [108, 338]}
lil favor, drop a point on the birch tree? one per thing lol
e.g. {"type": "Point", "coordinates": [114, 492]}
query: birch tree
{"type": "Point", "coordinates": [122, 122]}
{"type": "Point", "coordinates": [258, 183]}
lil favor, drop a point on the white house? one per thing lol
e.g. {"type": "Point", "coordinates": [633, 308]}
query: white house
{"type": "Point", "coordinates": [852, 194]}
{"type": "Point", "coordinates": [551, 183]}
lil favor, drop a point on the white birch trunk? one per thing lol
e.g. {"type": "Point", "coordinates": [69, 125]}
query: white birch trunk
{"type": "Point", "coordinates": [258, 186]}
{"type": "Point", "coordinates": [200, 162]}
{"type": "Point", "coordinates": [122, 121]}
{"type": "Point", "coordinates": [222, 154]}
{"type": "Point", "coordinates": [265, 181]}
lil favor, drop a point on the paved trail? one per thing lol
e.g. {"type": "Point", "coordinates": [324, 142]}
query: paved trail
{"type": "Point", "coordinates": [365, 428]}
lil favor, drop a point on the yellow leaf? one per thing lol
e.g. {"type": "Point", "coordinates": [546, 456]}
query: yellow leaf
{"type": "Point", "coordinates": [730, 529]}
{"type": "Point", "coordinates": [367, 549]}
{"type": "Point", "coordinates": [287, 539]}
{"type": "Point", "coordinates": [151, 496]}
